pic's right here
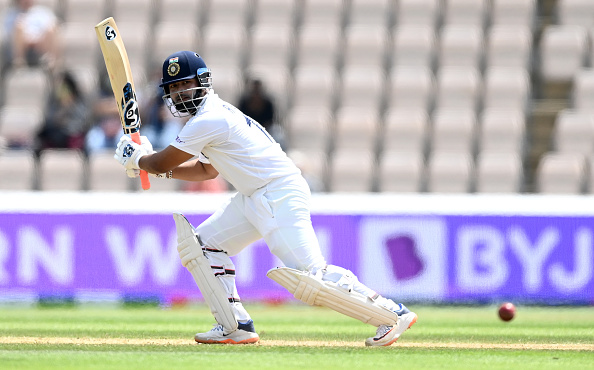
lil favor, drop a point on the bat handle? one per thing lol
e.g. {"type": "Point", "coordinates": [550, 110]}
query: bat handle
{"type": "Point", "coordinates": [144, 179]}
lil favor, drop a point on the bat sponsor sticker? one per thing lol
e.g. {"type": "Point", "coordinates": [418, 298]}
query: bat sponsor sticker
{"type": "Point", "coordinates": [110, 33]}
{"type": "Point", "coordinates": [131, 117]}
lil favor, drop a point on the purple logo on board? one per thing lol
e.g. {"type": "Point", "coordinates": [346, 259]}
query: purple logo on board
{"type": "Point", "coordinates": [404, 256]}
{"type": "Point", "coordinates": [406, 261]}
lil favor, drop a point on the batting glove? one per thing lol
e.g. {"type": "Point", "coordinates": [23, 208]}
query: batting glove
{"type": "Point", "coordinates": [128, 153]}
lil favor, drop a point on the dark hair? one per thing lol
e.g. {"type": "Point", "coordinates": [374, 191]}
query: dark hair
{"type": "Point", "coordinates": [69, 80]}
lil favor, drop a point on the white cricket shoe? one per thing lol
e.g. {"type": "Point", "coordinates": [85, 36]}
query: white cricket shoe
{"type": "Point", "coordinates": [387, 334]}
{"type": "Point", "coordinates": [244, 334]}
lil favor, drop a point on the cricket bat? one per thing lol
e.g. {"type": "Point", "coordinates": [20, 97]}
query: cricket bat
{"type": "Point", "coordinates": [120, 76]}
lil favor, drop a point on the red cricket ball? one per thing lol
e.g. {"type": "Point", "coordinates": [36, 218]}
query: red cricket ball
{"type": "Point", "coordinates": [507, 311]}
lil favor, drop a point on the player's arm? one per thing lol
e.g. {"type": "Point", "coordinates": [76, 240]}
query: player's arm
{"type": "Point", "coordinates": [178, 161]}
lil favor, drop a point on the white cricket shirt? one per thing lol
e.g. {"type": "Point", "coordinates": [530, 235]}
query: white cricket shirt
{"type": "Point", "coordinates": [238, 147]}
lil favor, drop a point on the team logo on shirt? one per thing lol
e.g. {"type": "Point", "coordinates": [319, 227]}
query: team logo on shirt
{"type": "Point", "coordinates": [173, 68]}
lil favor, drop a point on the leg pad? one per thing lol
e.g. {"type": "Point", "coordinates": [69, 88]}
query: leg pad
{"type": "Point", "coordinates": [212, 289]}
{"type": "Point", "coordinates": [312, 290]}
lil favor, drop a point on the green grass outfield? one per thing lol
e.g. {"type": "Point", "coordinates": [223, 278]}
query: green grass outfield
{"type": "Point", "coordinates": [294, 337]}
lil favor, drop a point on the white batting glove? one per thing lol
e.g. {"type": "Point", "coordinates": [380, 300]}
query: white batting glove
{"type": "Point", "coordinates": [128, 153]}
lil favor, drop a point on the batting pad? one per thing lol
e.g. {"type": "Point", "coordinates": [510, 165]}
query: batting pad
{"type": "Point", "coordinates": [193, 258]}
{"type": "Point", "coordinates": [316, 292]}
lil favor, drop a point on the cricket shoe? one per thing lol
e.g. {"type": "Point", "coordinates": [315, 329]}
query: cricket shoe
{"type": "Point", "coordinates": [387, 334]}
{"type": "Point", "coordinates": [244, 334]}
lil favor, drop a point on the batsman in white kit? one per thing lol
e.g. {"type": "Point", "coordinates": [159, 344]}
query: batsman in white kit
{"type": "Point", "coordinates": [272, 202]}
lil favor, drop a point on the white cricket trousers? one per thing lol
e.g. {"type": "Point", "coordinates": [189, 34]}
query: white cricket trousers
{"type": "Point", "coordinates": [278, 212]}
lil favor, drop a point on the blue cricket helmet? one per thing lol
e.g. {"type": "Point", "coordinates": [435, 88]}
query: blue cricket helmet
{"type": "Point", "coordinates": [184, 65]}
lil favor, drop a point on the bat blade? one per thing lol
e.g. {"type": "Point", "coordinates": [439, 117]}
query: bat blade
{"type": "Point", "coordinates": [122, 84]}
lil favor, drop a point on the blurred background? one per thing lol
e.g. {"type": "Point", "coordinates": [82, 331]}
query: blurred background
{"type": "Point", "coordinates": [438, 96]}
{"type": "Point", "coordinates": [449, 143]}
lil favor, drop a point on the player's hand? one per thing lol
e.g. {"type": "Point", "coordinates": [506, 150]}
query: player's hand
{"type": "Point", "coordinates": [133, 173]}
{"type": "Point", "coordinates": [128, 153]}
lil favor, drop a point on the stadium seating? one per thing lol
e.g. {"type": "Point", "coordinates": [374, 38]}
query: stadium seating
{"type": "Point", "coordinates": [502, 130]}
{"type": "Point", "coordinates": [499, 172]}
{"type": "Point", "coordinates": [138, 13]}
{"type": "Point", "coordinates": [398, 79]}
{"type": "Point", "coordinates": [309, 128]}
{"type": "Point", "coordinates": [351, 171]}
{"type": "Point", "coordinates": [411, 87]}
{"type": "Point", "coordinates": [466, 12]}
{"type": "Point", "coordinates": [365, 46]}
{"type": "Point", "coordinates": [18, 170]}
{"type": "Point", "coordinates": [574, 132]}
{"type": "Point", "coordinates": [582, 95]}
{"type": "Point", "coordinates": [461, 45]}
{"type": "Point", "coordinates": [449, 172]}
{"type": "Point", "coordinates": [328, 13]}
{"type": "Point", "coordinates": [318, 47]}
{"type": "Point", "coordinates": [454, 130]}
{"type": "Point", "coordinates": [231, 12]}
{"type": "Point", "coordinates": [370, 13]}
{"type": "Point", "coordinates": [362, 87]}
{"type": "Point", "coordinates": [562, 173]}
{"type": "Point", "coordinates": [22, 113]}
{"type": "Point", "coordinates": [506, 88]}
{"type": "Point", "coordinates": [406, 130]}
{"type": "Point", "coordinates": [182, 11]}
{"type": "Point", "coordinates": [458, 88]}
{"type": "Point", "coordinates": [168, 39]}
{"type": "Point", "coordinates": [274, 12]}
{"type": "Point", "coordinates": [419, 12]}
{"type": "Point", "coordinates": [355, 128]}
{"type": "Point", "coordinates": [509, 46]}
{"type": "Point", "coordinates": [575, 12]}
{"type": "Point", "coordinates": [400, 171]}
{"type": "Point", "coordinates": [80, 53]}
{"type": "Point", "coordinates": [563, 52]}
{"type": "Point", "coordinates": [314, 87]}
{"type": "Point", "coordinates": [514, 12]}
{"type": "Point", "coordinates": [88, 12]}
{"type": "Point", "coordinates": [413, 45]}
{"type": "Point", "coordinates": [105, 174]}
{"type": "Point", "coordinates": [61, 170]}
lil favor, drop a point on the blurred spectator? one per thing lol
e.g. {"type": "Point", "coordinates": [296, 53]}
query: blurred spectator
{"type": "Point", "coordinates": [107, 130]}
{"type": "Point", "coordinates": [158, 124]}
{"type": "Point", "coordinates": [164, 128]}
{"type": "Point", "coordinates": [30, 35]}
{"type": "Point", "coordinates": [66, 116]}
{"type": "Point", "coordinates": [257, 104]}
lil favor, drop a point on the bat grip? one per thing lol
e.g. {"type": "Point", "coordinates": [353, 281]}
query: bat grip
{"type": "Point", "coordinates": [144, 179]}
